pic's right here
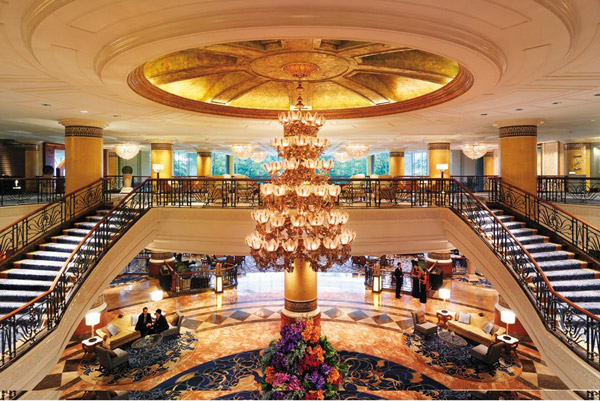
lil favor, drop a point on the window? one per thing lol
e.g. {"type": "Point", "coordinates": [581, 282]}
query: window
{"type": "Point", "coordinates": [219, 163]}
{"type": "Point", "coordinates": [349, 168]}
{"type": "Point", "coordinates": [250, 168]}
{"type": "Point", "coordinates": [381, 163]}
{"type": "Point", "coordinates": [184, 163]}
{"type": "Point", "coordinates": [416, 163]}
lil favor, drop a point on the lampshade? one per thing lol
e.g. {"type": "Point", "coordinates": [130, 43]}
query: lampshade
{"type": "Point", "coordinates": [157, 168]}
{"type": "Point", "coordinates": [445, 293]}
{"type": "Point", "coordinates": [156, 295]}
{"type": "Point", "coordinates": [242, 150]}
{"type": "Point", "coordinates": [474, 151]}
{"type": "Point", "coordinates": [258, 156]}
{"type": "Point", "coordinates": [357, 150]}
{"type": "Point", "coordinates": [442, 167]}
{"type": "Point", "coordinates": [92, 318]}
{"type": "Point", "coordinates": [127, 150]}
{"type": "Point", "coordinates": [507, 316]}
{"type": "Point", "coordinates": [342, 156]}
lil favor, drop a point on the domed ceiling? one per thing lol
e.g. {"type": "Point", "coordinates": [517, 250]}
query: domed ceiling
{"type": "Point", "coordinates": [344, 79]}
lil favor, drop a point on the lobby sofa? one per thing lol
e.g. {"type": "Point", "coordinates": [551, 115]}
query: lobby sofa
{"type": "Point", "coordinates": [127, 332]}
{"type": "Point", "coordinates": [474, 330]}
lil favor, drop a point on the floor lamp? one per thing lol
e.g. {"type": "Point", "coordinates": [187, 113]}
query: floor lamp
{"type": "Point", "coordinates": [92, 319]}
{"type": "Point", "coordinates": [508, 317]}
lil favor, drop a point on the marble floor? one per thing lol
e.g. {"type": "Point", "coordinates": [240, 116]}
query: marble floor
{"type": "Point", "coordinates": [247, 319]}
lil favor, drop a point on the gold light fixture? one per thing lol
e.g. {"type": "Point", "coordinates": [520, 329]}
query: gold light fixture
{"type": "Point", "coordinates": [242, 150]}
{"type": "Point", "coordinates": [127, 151]}
{"type": "Point", "coordinates": [357, 150]}
{"type": "Point", "coordinates": [342, 156]}
{"type": "Point", "coordinates": [299, 221]}
{"type": "Point", "coordinates": [474, 151]}
{"type": "Point", "coordinates": [258, 156]}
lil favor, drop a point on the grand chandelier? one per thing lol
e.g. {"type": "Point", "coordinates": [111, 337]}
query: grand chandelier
{"type": "Point", "coordinates": [341, 155]}
{"type": "Point", "coordinates": [474, 151]}
{"type": "Point", "coordinates": [127, 151]}
{"type": "Point", "coordinates": [299, 220]}
{"type": "Point", "coordinates": [258, 156]}
{"type": "Point", "coordinates": [357, 150]}
{"type": "Point", "coordinates": [242, 150]}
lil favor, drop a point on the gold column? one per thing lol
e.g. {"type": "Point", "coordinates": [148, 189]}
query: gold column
{"type": "Point", "coordinates": [204, 162]}
{"type": "Point", "coordinates": [162, 153]}
{"type": "Point", "coordinates": [488, 163]}
{"type": "Point", "coordinates": [518, 153]}
{"type": "Point", "coordinates": [300, 293]}
{"type": "Point", "coordinates": [230, 166]}
{"type": "Point", "coordinates": [33, 163]}
{"type": "Point", "coordinates": [83, 152]}
{"type": "Point", "coordinates": [579, 158]}
{"type": "Point", "coordinates": [438, 153]}
{"type": "Point", "coordinates": [112, 164]}
{"type": "Point", "coordinates": [397, 163]}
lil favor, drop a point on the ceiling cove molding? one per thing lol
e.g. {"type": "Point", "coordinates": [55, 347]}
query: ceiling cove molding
{"type": "Point", "coordinates": [413, 28]}
{"type": "Point", "coordinates": [38, 12]}
{"type": "Point", "coordinates": [565, 11]}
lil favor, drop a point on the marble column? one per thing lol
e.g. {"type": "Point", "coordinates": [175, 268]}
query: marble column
{"type": "Point", "coordinates": [83, 152]}
{"type": "Point", "coordinates": [438, 153]}
{"type": "Point", "coordinates": [157, 259]}
{"type": "Point", "coordinates": [488, 164]}
{"type": "Point", "coordinates": [579, 156]}
{"type": "Point", "coordinates": [33, 163]}
{"type": "Point", "coordinates": [300, 294]}
{"type": "Point", "coordinates": [204, 162]}
{"type": "Point", "coordinates": [518, 153]}
{"type": "Point", "coordinates": [161, 152]}
{"type": "Point", "coordinates": [112, 163]}
{"type": "Point", "coordinates": [397, 163]}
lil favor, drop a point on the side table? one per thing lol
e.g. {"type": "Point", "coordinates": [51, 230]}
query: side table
{"type": "Point", "coordinates": [510, 343]}
{"type": "Point", "coordinates": [443, 316]}
{"type": "Point", "coordinates": [89, 347]}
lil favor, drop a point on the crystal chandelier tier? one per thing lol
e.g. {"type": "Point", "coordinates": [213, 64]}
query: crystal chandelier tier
{"type": "Point", "coordinates": [299, 220]}
{"type": "Point", "coordinates": [357, 150]}
{"type": "Point", "coordinates": [127, 151]}
{"type": "Point", "coordinates": [242, 150]}
{"type": "Point", "coordinates": [342, 156]}
{"type": "Point", "coordinates": [258, 156]}
{"type": "Point", "coordinates": [474, 151]}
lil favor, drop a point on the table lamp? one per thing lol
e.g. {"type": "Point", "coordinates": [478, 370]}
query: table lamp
{"type": "Point", "coordinates": [441, 167]}
{"type": "Point", "coordinates": [92, 319]}
{"type": "Point", "coordinates": [156, 296]}
{"type": "Point", "coordinates": [157, 168]}
{"type": "Point", "coordinates": [508, 317]}
{"type": "Point", "coordinates": [445, 295]}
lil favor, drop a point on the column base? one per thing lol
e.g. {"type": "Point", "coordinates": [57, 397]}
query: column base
{"type": "Point", "coordinates": [288, 317]}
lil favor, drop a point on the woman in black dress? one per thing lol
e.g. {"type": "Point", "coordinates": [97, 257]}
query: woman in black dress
{"type": "Point", "coordinates": [424, 281]}
{"type": "Point", "coordinates": [415, 273]}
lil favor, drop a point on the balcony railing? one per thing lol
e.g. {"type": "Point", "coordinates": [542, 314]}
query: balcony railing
{"type": "Point", "coordinates": [26, 191]}
{"type": "Point", "coordinates": [569, 189]}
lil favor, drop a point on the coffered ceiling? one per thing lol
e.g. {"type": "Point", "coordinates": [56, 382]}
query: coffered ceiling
{"type": "Point", "coordinates": [526, 59]}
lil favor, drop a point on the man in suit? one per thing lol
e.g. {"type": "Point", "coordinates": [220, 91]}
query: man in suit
{"type": "Point", "coordinates": [160, 322]}
{"type": "Point", "coordinates": [144, 322]}
{"type": "Point", "coordinates": [399, 279]}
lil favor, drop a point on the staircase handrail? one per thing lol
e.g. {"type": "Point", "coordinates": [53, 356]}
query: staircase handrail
{"type": "Point", "coordinates": [56, 307]}
{"type": "Point", "coordinates": [536, 209]}
{"type": "Point", "coordinates": [539, 299]}
{"type": "Point", "coordinates": [35, 225]}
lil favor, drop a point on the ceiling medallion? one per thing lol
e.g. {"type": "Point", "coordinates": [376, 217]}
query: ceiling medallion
{"type": "Point", "coordinates": [341, 79]}
{"type": "Point", "coordinates": [127, 151]}
{"type": "Point", "coordinates": [474, 151]}
{"type": "Point", "coordinates": [300, 221]}
{"type": "Point", "coordinates": [357, 150]}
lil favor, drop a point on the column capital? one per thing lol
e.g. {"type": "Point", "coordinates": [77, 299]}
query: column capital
{"type": "Point", "coordinates": [578, 146]}
{"type": "Point", "coordinates": [512, 131]}
{"type": "Point", "coordinates": [82, 122]}
{"type": "Point", "coordinates": [438, 146]}
{"type": "Point", "coordinates": [397, 153]}
{"type": "Point", "coordinates": [489, 154]}
{"type": "Point", "coordinates": [161, 145]}
{"type": "Point", "coordinates": [203, 152]}
{"type": "Point", "coordinates": [518, 122]}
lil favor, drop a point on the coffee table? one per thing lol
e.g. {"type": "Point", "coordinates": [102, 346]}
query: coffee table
{"type": "Point", "coordinates": [510, 343]}
{"type": "Point", "coordinates": [143, 351]}
{"type": "Point", "coordinates": [89, 347]}
{"type": "Point", "coordinates": [452, 339]}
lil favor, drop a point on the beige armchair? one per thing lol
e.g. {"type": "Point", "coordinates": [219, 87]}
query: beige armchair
{"type": "Point", "coordinates": [488, 355]}
{"type": "Point", "coordinates": [421, 325]}
{"type": "Point", "coordinates": [110, 359]}
{"type": "Point", "coordinates": [175, 328]}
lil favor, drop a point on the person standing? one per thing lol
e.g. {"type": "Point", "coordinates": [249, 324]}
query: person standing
{"type": "Point", "coordinates": [144, 322]}
{"type": "Point", "coordinates": [399, 279]}
{"type": "Point", "coordinates": [424, 281]}
{"type": "Point", "coordinates": [415, 273]}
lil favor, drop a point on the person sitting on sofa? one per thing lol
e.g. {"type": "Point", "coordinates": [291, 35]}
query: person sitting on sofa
{"type": "Point", "coordinates": [160, 323]}
{"type": "Point", "coordinates": [144, 322]}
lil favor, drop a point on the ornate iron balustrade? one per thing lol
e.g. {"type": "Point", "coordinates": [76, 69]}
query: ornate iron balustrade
{"type": "Point", "coordinates": [574, 326]}
{"type": "Point", "coordinates": [563, 224]}
{"type": "Point", "coordinates": [24, 232]}
{"type": "Point", "coordinates": [26, 191]}
{"type": "Point", "coordinates": [114, 183]}
{"type": "Point", "coordinates": [569, 189]}
{"type": "Point", "coordinates": [475, 183]}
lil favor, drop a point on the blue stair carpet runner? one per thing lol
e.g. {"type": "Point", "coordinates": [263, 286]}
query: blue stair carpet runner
{"type": "Point", "coordinates": [30, 277]}
{"type": "Point", "coordinates": [568, 276]}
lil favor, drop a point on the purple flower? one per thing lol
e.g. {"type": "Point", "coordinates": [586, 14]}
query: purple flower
{"type": "Point", "coordinates": [279, 395]}
{"type": "Point", "coordinates": [315, 379]}
{"type": "Point", "coordinates": [325, 369]}
{"type": "Point", "coordinates": [280, 378]}
{"type": "Point", "coordinates": [294, 384]}
{"type": "Point", "coordinates": [279, 362]}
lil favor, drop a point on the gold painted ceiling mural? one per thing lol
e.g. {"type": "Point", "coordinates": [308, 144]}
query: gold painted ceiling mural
{"type": "Point", "coordinates": [344, 79]}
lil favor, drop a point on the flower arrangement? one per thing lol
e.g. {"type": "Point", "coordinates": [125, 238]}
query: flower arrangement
{"type": "Point", "coordinates": [301, 365]}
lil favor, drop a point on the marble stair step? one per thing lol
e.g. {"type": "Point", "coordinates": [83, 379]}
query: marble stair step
{"type": "Point", "coordinates": [24, 285]}
{"type": "Point", "coordinates": [562, 264]}
{"type": "Point", "coordinates": [524, 232]}
{"type": "Point", "coordinates": [29, 274]}
{"type": "Point", "coordinates": [90, 225]}
{"type": "Point", "coordinates": [53, 246]}
{"type": "Point", "coordinates": [533, 239]}
{"type": "Point", "coordinates": [571, 274]}
{"type": "Point", "coordinates": [66, 239]}
{"type": "Point", "coordinates": [49, 255]}
{"type": "Point", "coordinates": [576, 285]}
{"type": "Point", "coordinates": [34, 264]}
{"type": "Point", "coordinates": [549, 256]}
{"type": "Point", "coordinates": [8, 306]}
{"type": "Point", "coordinates": [582, 296]}
{"type": "Point", "coordinates": [18, 296]}
{"type": "Point", "coordinates": [76, 232]}
{"type": "Point", "coordinates": [542, 247]}
{"type": "Point", "coordinates": [592, 307]}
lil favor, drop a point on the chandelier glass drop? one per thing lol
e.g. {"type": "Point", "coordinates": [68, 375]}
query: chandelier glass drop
{"type": "Point", "coordinates": [357, 150]}
{"type": "Point", "coordinates": [474, 151]}
{"type": "Point", "coordinates": [299, 220]}
{"type": "Point", "coordinates": [341, 156]}
{"type": "Point", "coordinates": [127, 151]}
{"type": "Point", "coordinates": [242, 150]}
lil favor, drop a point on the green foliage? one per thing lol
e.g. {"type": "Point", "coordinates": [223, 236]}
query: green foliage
{"type": "Point", "coordinates": [127, 170]}
{"type": "Point", "coordinates": [219, 163]}
{"type": "Point", "coordinates": [182, 268]}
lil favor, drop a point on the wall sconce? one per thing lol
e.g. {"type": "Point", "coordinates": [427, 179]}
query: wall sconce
{"type": "Point", "coordinates": [508, 317]}
{"type": "Point", "coordinates": [376, 284]}
{"type": "Point", "coordinates": [219, 284]}
{"type": "Point", "coordinates": [157, 168]}
{"type": "Point", "coordinates": [92, 319]}
{"type": "Point", "coordinates": [441, 168]}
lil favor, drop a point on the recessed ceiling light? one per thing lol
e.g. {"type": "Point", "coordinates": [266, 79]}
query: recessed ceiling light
{"type": "Point", "coordinates": [83, 111]}
{"type": "Point", "coordinates": [46, 104]}
{"type": "Point", "coordinates": [484, 114]}
{"type": "Point", "coordinates": [518, 109]}
{"type": "Point", "coordinates": [116, 115]}
{"type": "Point", "coordinates": [597, 94]}
{"type": "Point", "coordinates": [556, 102]}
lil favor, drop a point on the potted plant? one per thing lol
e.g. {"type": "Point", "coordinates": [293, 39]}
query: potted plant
{"type": "Point", "coordinates": [46, 184]}
{"type": "Point", "coordinates": [184, 280]}
{"type": "Point", "coordinates": [127, 176]}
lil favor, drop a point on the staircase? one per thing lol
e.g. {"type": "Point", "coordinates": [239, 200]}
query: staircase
{"type": "Point", "coordinates": [29, 278]}
{"type": "Point", "coordinates": [568, 276]}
